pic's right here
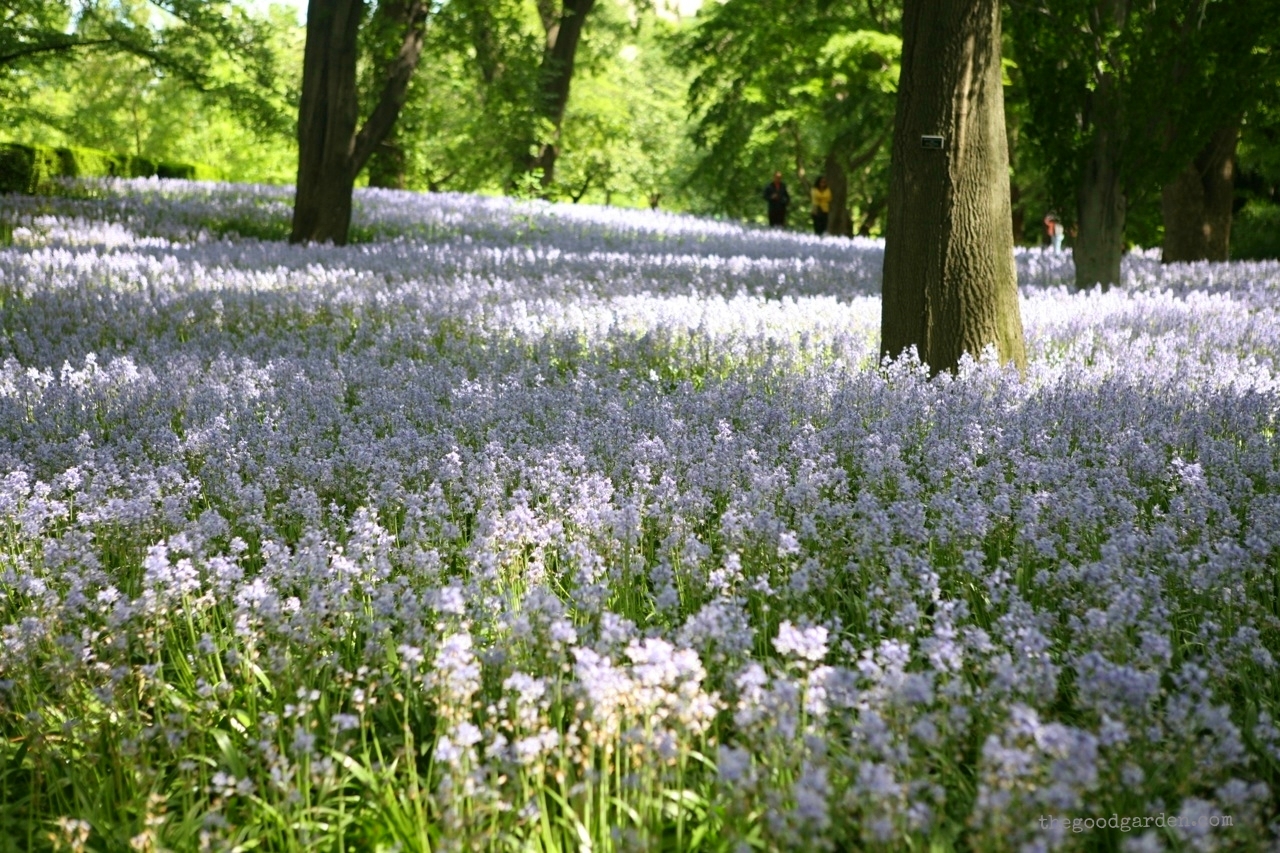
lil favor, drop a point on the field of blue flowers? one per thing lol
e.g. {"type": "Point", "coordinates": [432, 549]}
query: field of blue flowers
{"type": "Point", "coordinates": [525, 527]}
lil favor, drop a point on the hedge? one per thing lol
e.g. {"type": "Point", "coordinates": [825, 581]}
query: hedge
{"type": "Point", "coordinates": [32, 169]}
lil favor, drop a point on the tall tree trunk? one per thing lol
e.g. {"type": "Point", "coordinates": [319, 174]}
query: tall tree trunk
{"type": "Point", "coordinates": [839, 165]}
{"type": "Point", "coordinates": [564, 32]}
{"type": "Point", "coordinates": [950, 285]}
{"type": "Point", "coordinates": [1101, 201]}
{"type": "Point", "coordinates": [1102, 205]}
{"type": "Point", "coordinates": [327, 115]}
{"type": "Point", "coordinates": [1196, 205]}
{"type": "Point", "coordinates": [845, 167]}
{"type": "Point", "coordinates": [330, 150]}
{"type": "Point", "coordinates": [840, 221]}
{"type": "Point", "coordinates": [485, 40]}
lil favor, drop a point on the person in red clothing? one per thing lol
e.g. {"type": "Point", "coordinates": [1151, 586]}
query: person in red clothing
{"type": "Point", "coordinates": [1053, 230]}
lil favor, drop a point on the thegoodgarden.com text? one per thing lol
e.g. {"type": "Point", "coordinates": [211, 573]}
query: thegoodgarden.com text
{"type": "Point", "coordinates": [1127, 824]}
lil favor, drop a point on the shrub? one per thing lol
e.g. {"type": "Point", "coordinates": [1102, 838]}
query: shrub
{"type": "Point", "coordinates": [141, 167]}
{"type": "Point", "coordinates": [31, 169]}
{"type": "Point", "coordinates": [188, 171]}
{"type": "Point", "coordinates": [27, 168]}
{"type": "Point", "coordinates": [1255, 233]}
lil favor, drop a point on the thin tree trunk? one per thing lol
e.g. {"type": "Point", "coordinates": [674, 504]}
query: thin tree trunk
{"type": "Point", "coordinates": [327, 116]}
{"type": "Point", "coordinates": [564, 33]}
{"type": "Point", "coordinates": [1196, 205]}
{"type": "Point", "coordinates": [330, 150]}
{"type": "Point", "coordinates": [484, 39]}
{"type": "Point", "coordinates": [840, 221]}
{"type": "Point", "coordinates": [1019, 222]}
{"type": "Point", "coordinates": [1102, 203]}
{"type": "Point", "coordinates": [950, 285]}
{"type": "Point", "coordinates": [871, 214]}
{"type": "Point", "coordinates": [838, 168]}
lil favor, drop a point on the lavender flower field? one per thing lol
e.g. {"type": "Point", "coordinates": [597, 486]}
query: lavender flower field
{"type": "Point", "coordinates": [527, 527]}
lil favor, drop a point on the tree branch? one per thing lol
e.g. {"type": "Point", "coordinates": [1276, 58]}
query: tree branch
{"type": "Point", "coordinates": [577, 197]}
{"type": "Point", "coordinates": [558, 60]}
{"type": "Point", "coordinates": [550, 17]}
{"type": "Point", "coordinates": [383, 118]}
{"type": "Point", "coordinates": [434, 185]}
{"type": "Point", "coordinates": [34, 49]}
{"type": "Point", "coordinates": [867, 156]}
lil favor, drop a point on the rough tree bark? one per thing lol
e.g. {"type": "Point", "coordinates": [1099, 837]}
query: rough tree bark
{"type": "Point", "coordinates": [564, 32]}
{"type": "Point", "coordinates": [1196, 206]}
{"type": "Point", "coordinates": [950, 285]}
{"type": "Point", "coordinates": [331, 152]}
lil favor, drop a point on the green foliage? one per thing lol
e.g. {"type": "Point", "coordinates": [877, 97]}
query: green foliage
{"type": "Point", "coordinates": [625, 137]}
{"type": "Point", "coordinates": [1256, 230]}
{"type": "Point", "coordinates": [472, 107]}
{"type": "Point", "coordinates": [182, 81]}
{"type": "Point", "coordinates": [1144, 223]}
{"type": "Point", "coordinates": [189, 171]}
{"type": "Point", "coordinates": [215, 48]}
{"type": "Point", "coordinates": [27, 168]}
{"type": "Point", "coordinates": [787, 85]}
{"type": "Point", "coordinates": [470, 100]}
{"type": "Point", "coordinates": [113, 100]}
{"type": "Point", "coordinates": [1175, 73]}
{"type": "Point", "coordinates": [1255, 234]}
{"type": "Point", "coordinates": [33, 32]}
{"type": "Point", "coordinates": [35, 168]}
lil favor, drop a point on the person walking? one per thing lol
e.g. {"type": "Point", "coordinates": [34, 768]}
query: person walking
{"type": "Point", "coordinates": [1053, 228]}
{"type": "Point", "coordinates": [820, 195]}
{"type": "Point", "coordinates": [775, 193]}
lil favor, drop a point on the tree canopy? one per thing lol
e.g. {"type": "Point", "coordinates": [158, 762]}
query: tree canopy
{"type": "Point", "coordinates": [1122, 95]}
{"type": "Point", "coordinates": [1111, 105]}
{"type": "Point", "coordinates": [214, 48]}
{"type": "Point", "coordinates": [806, 87]}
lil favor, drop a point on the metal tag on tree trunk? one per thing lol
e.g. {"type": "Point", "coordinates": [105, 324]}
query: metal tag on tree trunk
{"type": "Point", "coordinates": [931, 142]}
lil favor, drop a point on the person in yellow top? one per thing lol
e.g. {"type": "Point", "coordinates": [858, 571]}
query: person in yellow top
{"type": "Point", "coordinates": [821, 197]}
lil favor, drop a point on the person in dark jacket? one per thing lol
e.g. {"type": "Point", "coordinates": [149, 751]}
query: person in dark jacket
{"type": "Point", "coordinates": [775, 193]}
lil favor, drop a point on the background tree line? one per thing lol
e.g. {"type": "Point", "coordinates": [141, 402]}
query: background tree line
{"type": "Point", "coordinates": [1139, 123]}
